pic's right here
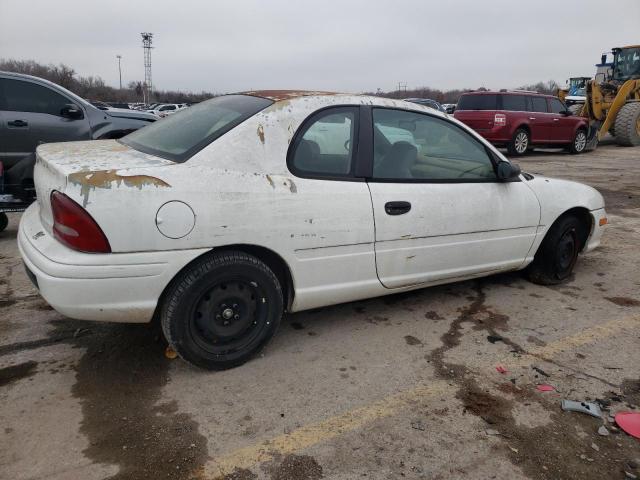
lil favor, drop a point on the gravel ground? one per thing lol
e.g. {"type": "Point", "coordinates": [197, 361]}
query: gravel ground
{"type": "Point", "coordinates": [402, 386]}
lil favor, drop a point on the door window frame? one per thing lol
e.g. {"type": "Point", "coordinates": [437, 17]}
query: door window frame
{"type": "Point", "coordinates": [366, 139]}
{"type": "Point", "coordinates": [3, 100]}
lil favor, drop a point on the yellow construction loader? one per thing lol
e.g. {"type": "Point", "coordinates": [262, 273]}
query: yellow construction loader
{"type": "Point", "coordinates": [613, 103]}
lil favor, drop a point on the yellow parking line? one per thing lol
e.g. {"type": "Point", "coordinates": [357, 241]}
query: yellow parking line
{"type": "Point", "coordinates": [315, 433]}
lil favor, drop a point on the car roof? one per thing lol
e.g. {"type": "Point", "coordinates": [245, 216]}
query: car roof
{"type": "Point", "coordinates": [280, 95]}
{"type": "Point", "coordinates": [508, 92]}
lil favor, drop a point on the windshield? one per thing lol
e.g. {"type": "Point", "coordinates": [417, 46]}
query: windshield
{"type": "Point", "coordinates": [478, 102]}
{"type": "Point", "coordinates": [627, 64]}
{"type": "Point", "coordinates": [178, 137]}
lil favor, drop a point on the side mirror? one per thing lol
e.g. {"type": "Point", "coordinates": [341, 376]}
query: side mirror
{"type": "Point", "coordinates": [507, 171]}
{"type": "Point", "coordinates": [71, 110]}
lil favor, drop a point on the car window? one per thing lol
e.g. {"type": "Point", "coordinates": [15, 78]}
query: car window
{"type": "Point", "coordinates": [538, 104]}
{"type": "Point", "coordinates": [478, 102]}
{"type": "Point", "coordinates": [414, 146]}
{"type": "Point", "coordinates": [178, 137]}
{"type": "Point", "coordinates": [514, 103]}
{"type": "Point", "coordinates": [557, 106]}
{"type": "Point", "coordinates": [20, 96]}
{"type": "Point", "coordinates": [325, 144]}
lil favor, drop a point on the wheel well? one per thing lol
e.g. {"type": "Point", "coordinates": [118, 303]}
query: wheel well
{"type": "Point", "coordinates": [274, 261]}
{"type": "Point", "coordinates": [523, 126]}
{"type": "Point", "coordinates": [585, 218]}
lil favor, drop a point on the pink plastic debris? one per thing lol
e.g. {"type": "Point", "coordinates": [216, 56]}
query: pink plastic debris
{"type": "Point", "coordinates": [629, 422]}
{"type": "Point", "coordinates": [501, 369]}
{"type": "Point", "coordinates": [545, 388]}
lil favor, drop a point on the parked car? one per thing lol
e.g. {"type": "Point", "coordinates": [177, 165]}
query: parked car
{"type": "Point", "coordinates": [427, 102]}
{"type": "Point", "coordinates": [166, 109]}
{"type": "Point", "coordinates": [253, 204]}
{"type": "Point", "coordinates": [521, 120]}
{"type": "Point", "coordinates": [449, 107]}
{"type": "Point", "coordinates": [35, 111]}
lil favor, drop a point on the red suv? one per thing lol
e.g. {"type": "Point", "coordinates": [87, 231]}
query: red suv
{"type": "Point", "coordinates": [520, 120]}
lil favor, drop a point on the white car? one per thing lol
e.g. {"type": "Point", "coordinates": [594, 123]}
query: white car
{"type": "Point", "coordinates": [166, 109]}
{"type": "Point", "coordinates": [223, 217]}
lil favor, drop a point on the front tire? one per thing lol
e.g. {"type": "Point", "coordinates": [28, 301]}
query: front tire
{"type": "Point", "coordinates": [627, 125]}
{"type": "Point", "coordinates": [222, 310]}
{"type": "Point", "coordinates": [519, 143]}
{"type": "Point", "coordinates": [579, 143]}
{"type": "Point", "coordinates": [4, 221]}
{"type": "Point", "coordinates": [558, 253]}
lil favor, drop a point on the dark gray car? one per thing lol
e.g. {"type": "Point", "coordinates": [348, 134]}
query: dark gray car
{"type": "Point", "coordinates": [35, 111]}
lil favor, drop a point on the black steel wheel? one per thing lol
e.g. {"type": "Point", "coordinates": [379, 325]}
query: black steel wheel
{"type": "Point", "coordinates": [222, 310]}
{"type": "Point", "coordinates": [557, 255]}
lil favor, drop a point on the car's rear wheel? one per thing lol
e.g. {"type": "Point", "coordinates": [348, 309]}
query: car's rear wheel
{"type": "Point", "coordinates": [4, 221]}
{"type": "Point", "coordinates": [558, 253]}
{"type": "Point", "coordinates": [579, 142]}
{"type": "Point", "coordinates": [519, 143]}
{"type": "Point", "coordinates": [222, 310]}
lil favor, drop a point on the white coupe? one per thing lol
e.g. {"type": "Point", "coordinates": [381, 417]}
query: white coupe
{"type": "Point", "coordinates": [221, 217]}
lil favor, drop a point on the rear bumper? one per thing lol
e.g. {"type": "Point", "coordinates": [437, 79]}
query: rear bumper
{"type": "Point", "coordinates": [116, 287]}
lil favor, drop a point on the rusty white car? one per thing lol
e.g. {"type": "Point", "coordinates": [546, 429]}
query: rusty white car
{"type": "Point", "coordinates": [223, 216]}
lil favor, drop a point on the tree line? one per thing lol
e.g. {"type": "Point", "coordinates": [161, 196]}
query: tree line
{"type": "Point", "coordinates": [94, 88]}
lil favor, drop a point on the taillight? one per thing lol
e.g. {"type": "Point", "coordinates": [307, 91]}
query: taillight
{"type": "Point", "coordinates": [500, 120]}
{"type": "Point", "coordinates": [74, 227]}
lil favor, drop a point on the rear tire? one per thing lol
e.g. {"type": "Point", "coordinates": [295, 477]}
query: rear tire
{"type": "Point", "coordinates": [222, 310]}
{"type": "Point", "coordinates": [579, 143]}
{"type": "Point", "coordinates": [4, 221]}
{"type": "Point", "coordinates": [519, 143]}
{"type": "Point", "coordinates": [558, 253]}
{"type": "Point", "coordinates": [627, 125]}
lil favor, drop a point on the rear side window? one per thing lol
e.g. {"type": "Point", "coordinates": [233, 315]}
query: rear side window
{"type": "Point", "coordinates": [21, 96]}
{"type": "Point", "coordinates": [538, 104]}
{"type": "Point", "coordinates": [180, 136]}
{"type": "Point", "coordinates": [514, 103]}
{"type": "Point", "coordinates": [557, 106]}
{"type": "Point", "coordinates": [324, 147]}
{"type": "Point", "coordinates": [478, 102]}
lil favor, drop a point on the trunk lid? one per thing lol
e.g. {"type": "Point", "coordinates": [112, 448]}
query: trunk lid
{"type": "Point", "coordinates": [88, 164]}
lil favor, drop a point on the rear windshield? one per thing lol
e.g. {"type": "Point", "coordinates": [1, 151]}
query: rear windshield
{"type": "Point", "coordinates": [478, 102]}
{"type": "Point", "coordinates": [180, 136]}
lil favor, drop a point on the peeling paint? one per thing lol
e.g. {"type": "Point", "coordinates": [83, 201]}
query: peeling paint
{"type": "Point", "coordinates": [292, 187]}
{"type": "Point", "coordinates": [279, 95]}
{"type": "Point", "coordinates": [261, 133]}
{"type": "Point", "coordinates": [90, 180]}
{"type": "Point", "coordinates": [270, 180]}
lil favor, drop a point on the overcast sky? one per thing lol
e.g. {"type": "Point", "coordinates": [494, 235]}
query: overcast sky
{"type": "Point", "coordinates": [343, 45]}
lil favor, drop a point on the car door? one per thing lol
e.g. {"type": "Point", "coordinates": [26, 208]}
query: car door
{"type": "Point", "coordinates": [538, 119]}
{"type": "Point", "coordinates": [32, 116]}
{"type": "Point", "coordinates": [440, 212]}
{"type": "Point", "coordinates": [562, 126]}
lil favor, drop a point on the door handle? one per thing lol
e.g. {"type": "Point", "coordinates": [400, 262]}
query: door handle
{"type": "Point", "coordinates": [18, 123]}
{"type": "Point", "coordinates": [397, 208]}
{"type": "Point", "coordinates": [556, 119]}
{"type": "Point", "coordinates": [532, 118]}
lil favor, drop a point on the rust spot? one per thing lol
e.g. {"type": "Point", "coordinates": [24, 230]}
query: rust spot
{"type": "Point", "coordinates": [270, 180]}
{"type": "Point", "coordinates": [90, 180]}
{"type": "Point", "coordinates": [279, 95]}
{"type": "Point", "coordinates": [261, 133]}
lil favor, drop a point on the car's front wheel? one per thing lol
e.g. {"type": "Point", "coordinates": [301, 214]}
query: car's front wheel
{"type": "Point", "coordinates": [558, 253]}
{"type": "Point", "coordinates": [519, 142]}
{"type": "Point", "coordinates": [579, 142]}
{"type": "Point", "coordinates": [222, 310]}
{"type": "Point", "coordinates": [4, 221]}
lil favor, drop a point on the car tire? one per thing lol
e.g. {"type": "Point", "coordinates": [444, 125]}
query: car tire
{"type": "Point", "coordinates": [579, 143]}
{"type": "Point", "coordinates": [222, 310]}
{"type": "Point", "coordinates": [4, 221]}
{"type": "Point", "coordinates": [520, 142]}
{"type": "Point", "coordinates": [557, 255]}
{"type": "Point", "coordinates": [627, 125]}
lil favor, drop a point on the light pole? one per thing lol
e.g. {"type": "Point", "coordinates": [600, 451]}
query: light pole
{"type": "Point", "coordinates": [119, 57]}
